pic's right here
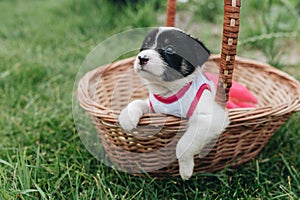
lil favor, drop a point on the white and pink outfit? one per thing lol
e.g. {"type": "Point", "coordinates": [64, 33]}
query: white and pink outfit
{"type": "Point", "coordinates": [184, 102]}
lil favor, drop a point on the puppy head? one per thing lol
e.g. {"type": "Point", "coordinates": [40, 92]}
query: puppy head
{"type": "Point", "coordinates": [168, 54]}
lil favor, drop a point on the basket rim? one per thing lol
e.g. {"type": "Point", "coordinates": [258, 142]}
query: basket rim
{"type": "Point", "coordinates": [235, 115]}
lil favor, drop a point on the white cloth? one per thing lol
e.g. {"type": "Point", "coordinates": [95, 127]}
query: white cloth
{"type": "Point", "coordinates": [184, 102]}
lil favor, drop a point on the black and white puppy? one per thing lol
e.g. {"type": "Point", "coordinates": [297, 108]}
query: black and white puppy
{"type": "Point", "coordinates": [169, 63]}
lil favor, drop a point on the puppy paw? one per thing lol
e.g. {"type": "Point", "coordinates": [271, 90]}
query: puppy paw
{"type": "Point", "coordinates": [130, 117]}
{"type": "Point", "coordinates": [186, 168]}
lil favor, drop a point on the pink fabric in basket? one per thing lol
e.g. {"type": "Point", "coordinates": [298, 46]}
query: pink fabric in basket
{"type": "Point", "coordinates": [239, 95]}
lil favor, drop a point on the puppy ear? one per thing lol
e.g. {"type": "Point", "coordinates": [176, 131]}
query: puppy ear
{"type": "Point", "coordinates": [190, 48]}
{"type": "Point", "coordinates": [149, 39]}
{"type": "Point", "coordinates": [199, 52]}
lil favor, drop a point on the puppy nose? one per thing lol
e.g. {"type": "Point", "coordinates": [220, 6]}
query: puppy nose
{"type": "Point", "coordinates": [143, 59]}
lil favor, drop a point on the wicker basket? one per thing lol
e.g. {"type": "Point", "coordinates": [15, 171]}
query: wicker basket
{"type": "Point", "coordinates": [250, 129]}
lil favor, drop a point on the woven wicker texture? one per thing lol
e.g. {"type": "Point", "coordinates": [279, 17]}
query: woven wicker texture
{"type": "Point", "coordinates": [250, 129]}
{"type": "Point", "coordinates": [171, 12]}
{"type": "Point", "coordinates": [231, 25]}
{"type": "Point", "coordinates": [248, 132]}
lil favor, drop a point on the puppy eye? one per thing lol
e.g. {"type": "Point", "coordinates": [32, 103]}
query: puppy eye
{"type": "Point", "coordinates": [169, 50]}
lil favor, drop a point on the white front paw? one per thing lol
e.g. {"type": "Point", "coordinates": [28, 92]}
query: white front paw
{"type": "Point", "coordinates": [185, 159]}
{"type": "Point", "coordinates": [186, 168]}
{"type": "Point", "coordinates": [129, 118]}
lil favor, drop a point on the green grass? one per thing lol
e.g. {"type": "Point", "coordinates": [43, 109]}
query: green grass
{"type": "Point", "coordinates": [42, 44]}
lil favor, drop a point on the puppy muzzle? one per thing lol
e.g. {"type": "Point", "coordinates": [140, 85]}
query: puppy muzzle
{"type": "Point", "coordinates": [143, 60]}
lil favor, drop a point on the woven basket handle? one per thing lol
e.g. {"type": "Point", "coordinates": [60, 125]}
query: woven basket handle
{"type": "Point", "coordinates": [171, 12]}
{"type": "Point", "coordinates": [229, 43]}
{"type": "Point", "coordinates": [231, 25]}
